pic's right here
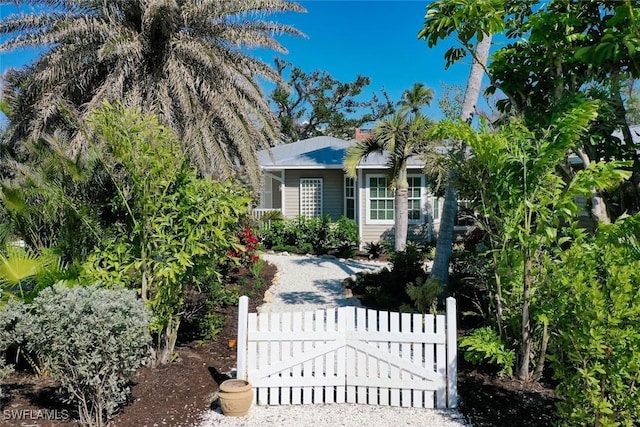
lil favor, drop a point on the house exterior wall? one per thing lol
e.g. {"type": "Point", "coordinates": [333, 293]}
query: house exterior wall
{"type": "Point", "coordinates": [332, 191]}
{"type": "Point", "coordinates": [276, 193]}
{"type": "Point", "coordinates": [375, 232]}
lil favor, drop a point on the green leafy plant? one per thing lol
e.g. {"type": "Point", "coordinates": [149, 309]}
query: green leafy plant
{"type": "Point", "coordinates": [312, 235]}
{"type": "Point", "coordinates": [12, 334]}
{"type": "Point", "coordinates": [484, 345]}
{"type": "Point", "coordinates": [91, 340]}
{"type": "Point", "coordinates": [374, 250]}
{"type": "Point", "coordinates": [408, 265]}
{"type": "Point", "coordinates": [595, 316]}
{"type": "Point", "coordinates": [178, 229]}
{"type": "Point", "coordinates": [424, 294]}
{"type": "Point", "coordinates": [528, 210]}
{"type": "Point", "coordinates": [24, 273]}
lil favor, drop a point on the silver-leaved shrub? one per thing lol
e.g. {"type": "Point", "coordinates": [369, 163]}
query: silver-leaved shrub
{"type": "Point", "coordinates": [92, 340]}
{"type": "Point", "coordinates": [11, 332]}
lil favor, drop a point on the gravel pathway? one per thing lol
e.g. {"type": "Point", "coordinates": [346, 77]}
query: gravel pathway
{"type": "Point", "coordinates": [309, 283]}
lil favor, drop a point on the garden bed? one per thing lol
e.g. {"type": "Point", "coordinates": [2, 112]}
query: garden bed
{"type": "Point", "coordinates": [176, 394]}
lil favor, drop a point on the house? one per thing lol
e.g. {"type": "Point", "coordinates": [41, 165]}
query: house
{"type": "Point", "coordinates": [307, 178]}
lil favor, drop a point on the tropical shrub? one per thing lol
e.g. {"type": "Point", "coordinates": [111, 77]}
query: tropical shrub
{"type": "Point", "coordinates": [387, 288]}
{"type": "Point", "coordinates": [311, 235]}
{"type": "Point", "coordinates": [528, 210]}
{"type": "Point", "coordinates": [484, 345]}
{"type": "Point", "coordinates": [424, 294]}
{"type": "Point", "coordinates": [12, 334]}
{"type": "Point", "coordinates": [91, 340]}
{"type": "Point", "coordinates": [177, 229]}
{"type": "Point", "coordinates": [24, 272]}
{"type": "Point", "coordinates": [374, 250]}
{"type": "Point", "coordinates": [247, 252]}
{"type": "Point", "coordinates": [408, 264]}
{"type": "Point", "coordinates": [595, 316]}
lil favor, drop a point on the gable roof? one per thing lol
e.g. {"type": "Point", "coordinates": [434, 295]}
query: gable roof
{"type": "Point", "coordinates": [319, 152]}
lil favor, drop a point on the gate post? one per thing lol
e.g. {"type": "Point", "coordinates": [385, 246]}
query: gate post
{"type": "Point", "coordinates": [452, 354]}
{"type": "Point", "coordinates": [241, 360]}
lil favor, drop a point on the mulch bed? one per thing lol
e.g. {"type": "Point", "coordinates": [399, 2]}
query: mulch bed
{"type": "Point", "coordinates": [177, 393]}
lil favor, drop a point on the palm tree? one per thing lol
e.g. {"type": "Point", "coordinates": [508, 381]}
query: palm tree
{"type": "Point", "coordinates": [400, 137]}
{"type": "Point", "coordinates": [186, 61]}
{"type": "Point", "coordinates": [440, 269]}
{"type": "Point", "coordinates": [415, 98]}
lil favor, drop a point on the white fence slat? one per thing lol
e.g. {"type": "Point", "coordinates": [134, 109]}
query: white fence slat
{"type": "Point", "coordinates": [274, 356]}
{"type": "Point", "coordinates": [361, 357]}
{"type": "Point", "coordinates": [417, 356]}
{"type": "Point", "coordinates": [441, 363]}
{"type": "Point", "coordinates": [430, 349]}
{"type": "Point", "coordinates": [318, 363]}
{"type": "Point", "coordinates": [383, 365]}
{"type": "Point", "coordinates": [263, 355]}
{"type": "Point", "coordinates": [307, 368]}
{"type": "Point", "coordinates": [394, 350]}
{"type": "Point", "coordinates": [296, 348]}
{"type": "Point", "coordinates": [341, 356]}
{"type": "Point", "coordinates": [330, 358]}
{"type": "Point", "coordinates": [351, 354]}
{"type": "Point", "coordinates": [372, 360]}
{"type": "Point", "coordinates": [285, 392]}
{"type": "Point", "coordinates": [241, 342]}
{"type": "Point", "coordinates": [452, 354]}
{"type": "Point", "coordinates": [405, 351]}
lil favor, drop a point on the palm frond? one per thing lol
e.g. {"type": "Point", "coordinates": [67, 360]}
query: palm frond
{"type": "Point", "coordinates": [182, 60]}
{"type": "Point", "coordinates": [359, 151]}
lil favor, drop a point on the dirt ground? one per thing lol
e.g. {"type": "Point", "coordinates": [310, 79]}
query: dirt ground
{"type": "Point", "coordinates": [175, 394]}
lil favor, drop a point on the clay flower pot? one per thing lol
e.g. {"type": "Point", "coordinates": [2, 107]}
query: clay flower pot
{"type": "Point", "coordinates": [235, 397]}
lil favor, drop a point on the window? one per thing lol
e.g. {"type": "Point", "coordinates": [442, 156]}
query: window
{"type": "Point", "coordinates": [349, 197]}
{"type": "Point", "coordinates": [311, 197]}
{"type": "Point", "coordinates": [415, 198]}
{"type": "Point", "coordinates": [436, 208]}
{"type": "Point", "coordinates": [381, 199]}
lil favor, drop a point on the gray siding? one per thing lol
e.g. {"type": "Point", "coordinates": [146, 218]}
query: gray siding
{"type": "Point", "coordinates": [332, 191]}
{"type": "Point", "coordinates": [276, 193]}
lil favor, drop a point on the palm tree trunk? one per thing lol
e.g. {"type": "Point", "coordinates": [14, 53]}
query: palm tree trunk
{"type": "Point", "coordinates": [402, 217]}
{"type": "Point", "coordinates": [440, 268]}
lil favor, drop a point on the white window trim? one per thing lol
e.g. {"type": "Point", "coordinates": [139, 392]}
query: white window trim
{"type": "Point", "coordinates": [423, 194]}
{"type": "Point", "coordinates": [354, 198]}
{"type": "Point", "coordinates": [320, 202]}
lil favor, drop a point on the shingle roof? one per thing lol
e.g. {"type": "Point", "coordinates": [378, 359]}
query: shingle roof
{"type": "Point", "coordinates": [320, 152]}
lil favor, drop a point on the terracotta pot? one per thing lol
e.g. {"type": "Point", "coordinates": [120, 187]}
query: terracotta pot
{"type": "Point", "coordinates": [235, 397]}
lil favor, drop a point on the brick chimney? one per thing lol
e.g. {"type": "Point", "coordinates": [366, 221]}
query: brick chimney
{"type": "Point", "coordinates": [363, 133]}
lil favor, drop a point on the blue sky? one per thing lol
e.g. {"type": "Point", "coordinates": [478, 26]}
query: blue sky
{"type": "Point", "coordinates": [377, 39]}
{"type": "Point", "coordinates": [374, 38]}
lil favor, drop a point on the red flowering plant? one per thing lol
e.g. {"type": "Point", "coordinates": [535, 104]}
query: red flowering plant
{"type": "Point", "coordinates": [246, 253]}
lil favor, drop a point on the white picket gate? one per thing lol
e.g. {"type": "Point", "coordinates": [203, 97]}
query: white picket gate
{"type": "Point", "coordinates": [349, 354]}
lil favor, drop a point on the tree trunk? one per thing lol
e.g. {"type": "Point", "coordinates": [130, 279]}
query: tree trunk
{"type": "Point", "coordinates": [598, 206]}
{"type": "Point", "coordinates": [440, 268]}
{"type": "Point", "coordinates": [537, 373]}
{"type": "Point", "coordinates": [525, 344]}
{"type": "Point", "coordinates": [167, 338]}
{"type": "Point", "coordinates": [402, 217]}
